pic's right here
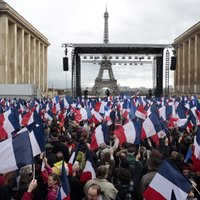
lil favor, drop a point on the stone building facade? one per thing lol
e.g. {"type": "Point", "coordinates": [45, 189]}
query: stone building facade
{"type": "Point", "coordinates": [187, 48]}
{"type": "Point", "coordinates": [23, 50]}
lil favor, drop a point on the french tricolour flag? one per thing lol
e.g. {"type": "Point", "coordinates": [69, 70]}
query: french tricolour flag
{"type": "Point", "coordinates": [81, 115]}
{"type": "Point", "coordinates": [55, 100]}
{"type": "Point", "coordinates": [36, 135]}
{"type": "Point", "coordinates": [97, 118]}
{"type": "Point", "coordinates": [15, 153]}
{"type": "Point", "coordinates": [66, 104]}
{"type": "Point", "coordinates": [72, 159]}
{"type": "Point", "coordinates": [193, 117]}
{"type": "Point", "coordinates": [107, 116]}
{"type": "Point", "coordinates": [140, 112]}
{"type": "Point", "coordinates": [151, 127]}
{"type": "Point", "coordinates": [108, 99]}
{"type": "Point", "coordinates": [64, 190]}
{"type": "Point", "coordinates": [88, 172]}
{"type": "Point", "coordinates": [126, 133]}
{"type": "Point", "coordinates": [99, 107]}
{"type": "Point", "coordinates": [9, 125]}
{"type": "Point", "coordinates": [197, 144]}
{"type": "Point", "coordinates": [100, 136]}
{"type": "Point", "coordinates": [27, 118]}
{"type": "Point", "coordinates": [44, 172]}
{"type": "Point", "coordinates": [165, 112]}
{"type": "Point", "coordinates": [4, 115]}
{"type": "Point", "coordinates": [168, 183]}
{"type": "Point", "coordinates": [49, 115]}
{"type": "Point", "coordinates": [182, 123]}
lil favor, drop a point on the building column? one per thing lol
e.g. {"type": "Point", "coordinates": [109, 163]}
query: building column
{"type": "Point", "coordinates": [32, 60]}
{"type": "Point", "coordinates": [12, 55]}
{"type": "Point", "coordinates": [181, 69]}
{"type": "Point", "coordinates": [27, 56]}
{"type": "Point", "coordinates": [37, 75]}
{"type": "Point", "coordinates": [176, 72]}
{"type": "Point", "coordinates": [195, 63]}
{"type": "Point", "coordinates": [20, 56]}
{"type": "Point", "coordinates": [189, 65]}
{"type": "Point", "coordinates": [3, 48]}
{"type": "Point", "coordinates": [198, 65]}
{"type": "Point", "coordinates": [41, 66]}
{"type": "Point", "coordinates": [45, 69]}
{"type": "Point", "coordinates": [192, 65]}
{"type": "Point", "coordinates": [185, 64]}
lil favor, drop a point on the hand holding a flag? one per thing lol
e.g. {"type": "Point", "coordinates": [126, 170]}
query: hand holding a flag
{"type": "Point", "coordinates": [137, 158]}
{"type": "Point", "coordinates": [75, 168]}
{"type": "Point", "coordinates": [45, 160]}
{"type": "Point", "coordinates": [191, 194]}
{"type": "Point", "coordinates": [28, 195]}
{"type": "Point", "coordinates": [32, 185]}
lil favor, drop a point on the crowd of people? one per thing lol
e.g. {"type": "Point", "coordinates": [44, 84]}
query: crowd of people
{"type": "Point", "coordinates": [122, 171]}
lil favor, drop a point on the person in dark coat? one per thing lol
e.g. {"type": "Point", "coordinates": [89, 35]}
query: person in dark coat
{"type": "Point", "coordinates": [51, 157]}
{"type": "Point", "coordinates": [153, 163]}
{"type": "Point", "coordinates": [59, 146]}
{"type": "Point", "coordinates": [123, 180]}
{"type": "Point", "coordinates": [107, 92]}
{"type": "Point", "coordinates": [85, 93]}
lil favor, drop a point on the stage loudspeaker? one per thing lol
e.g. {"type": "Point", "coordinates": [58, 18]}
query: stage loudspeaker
{"type": "Point", "coordinates": [173, 63]}
{"type": "Point", "coordinates": [65, 64]}
{"type": "Point", "coordinates": [159, 76]}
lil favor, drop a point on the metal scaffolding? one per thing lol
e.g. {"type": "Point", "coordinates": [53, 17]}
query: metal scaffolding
{"type": "Point", "coordinates": [167, 73]}
{"type": "Point", "coordinates": [154, 74]}
{"type": "Point", "coordinates": [73, 64]}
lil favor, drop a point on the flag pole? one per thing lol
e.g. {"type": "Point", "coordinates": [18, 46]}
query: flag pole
{"type": "Point", "coordinates": [33, 166]}
{"type": "Point", "coordinates": [196, 189]}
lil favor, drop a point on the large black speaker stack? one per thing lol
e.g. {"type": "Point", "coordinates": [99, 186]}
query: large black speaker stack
{"type": "Point", "coordinates": [159, 76]}
{"type": "Point", "coordinates": [65, 64]}
{"type": "Point", "coordinates": [173, 63]}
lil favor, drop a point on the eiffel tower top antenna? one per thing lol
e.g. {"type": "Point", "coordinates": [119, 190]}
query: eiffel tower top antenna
{"type": "Point", "coordinates": [105, 65]}
{"type": "Point", "coordinates": [106, 36]}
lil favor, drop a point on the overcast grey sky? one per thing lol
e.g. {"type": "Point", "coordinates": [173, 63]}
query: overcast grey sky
{"type": "Point", "coordinates": [130, 21]}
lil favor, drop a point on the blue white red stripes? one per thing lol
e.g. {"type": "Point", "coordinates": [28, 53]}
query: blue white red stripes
{"type": "Point", "coordinates": [126, 133]}
{"type": "Point", "coordinates": [100, 136]}
{"type": "Point", "coordinates": [175, 184]}
{"type": "Point", "coordinates": [64, 190]}
{"type": "Point", "coordinates": [88, 172]}
{"type": "Point", "coordinates": [15, 153]}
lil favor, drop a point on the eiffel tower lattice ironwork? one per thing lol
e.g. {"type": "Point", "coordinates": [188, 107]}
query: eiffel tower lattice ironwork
{"type": "Point", "coordinates": [105, 64]}
{"type": "Point", "coordinates": [111, 82]}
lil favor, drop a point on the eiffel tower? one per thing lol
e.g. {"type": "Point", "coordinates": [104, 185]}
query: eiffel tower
{"type": "Point", "coordinates": [105, 64]}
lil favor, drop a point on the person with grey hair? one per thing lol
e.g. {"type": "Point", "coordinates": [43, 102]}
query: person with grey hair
{"type": "Point", "coordinates": [94, 193]}
{"type": "Point", "coordinates": [110, 192]}
{"type": "Point", "coordinates": [25, 177]}
{"type": "Point", "coordinates": [106, 158]}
